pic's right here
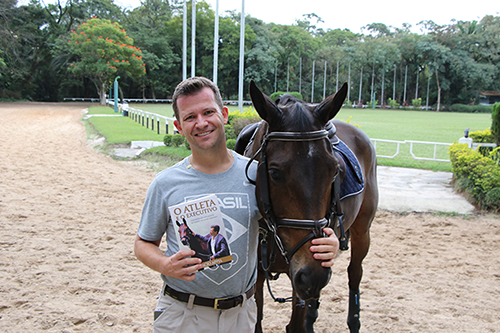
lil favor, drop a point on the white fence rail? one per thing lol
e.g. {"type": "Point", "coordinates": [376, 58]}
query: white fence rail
{"type": "Point", "coordinates": [435, 144]}
{"type": "Point", "coordinates": [144, 118]}
{"type": "Point", "coordinates": [413, 154]}
{"type": "Point", "coordinates": [398, 145]}
{"type": "Point", "coordinates": [414, 143]}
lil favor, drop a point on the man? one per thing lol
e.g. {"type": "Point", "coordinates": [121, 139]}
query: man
{"type": "Point", "coordinates": [218, 299]}
{"type": "Point", "coordinates": [217, 244]}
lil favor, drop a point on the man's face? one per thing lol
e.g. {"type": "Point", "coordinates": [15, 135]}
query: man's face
{"type": "Point", "coordinates": [213, 232]}
{"type": "Point", "coordinates": [201, 121]}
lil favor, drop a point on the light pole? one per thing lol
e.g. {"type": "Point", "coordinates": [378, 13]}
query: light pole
{"type": "Point", "coordinates": [116, 93]}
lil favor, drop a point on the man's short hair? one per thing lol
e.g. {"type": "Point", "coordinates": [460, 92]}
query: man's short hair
{"type": "Point", "coordinates": [215, 227]}
{"type": "Point", "coordinates": [191, 86]}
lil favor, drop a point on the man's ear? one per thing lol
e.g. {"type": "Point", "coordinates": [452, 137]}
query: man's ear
{"type": "Point", "coordinates": [178, 126]}
{"type": "Point", "coordinates": [225, 114]}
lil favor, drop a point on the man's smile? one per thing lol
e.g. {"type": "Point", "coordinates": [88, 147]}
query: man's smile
{"type": "Point", "coordinates": [203, 133]}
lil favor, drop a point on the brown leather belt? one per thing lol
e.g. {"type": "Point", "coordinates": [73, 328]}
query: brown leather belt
{"type": "Point", "coordinates": [215, 303]}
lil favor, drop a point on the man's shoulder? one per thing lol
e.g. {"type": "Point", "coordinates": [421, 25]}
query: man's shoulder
{"type": "Point", "coordinates": [179, 167]}
{"type": "Point", "coordinates": [243, 159]}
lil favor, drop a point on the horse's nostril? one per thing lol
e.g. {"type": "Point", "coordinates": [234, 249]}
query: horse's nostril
{"type": "Point", "coordinates": [304, 278]}
{"type": "Point", "coordinates": [308, 283]}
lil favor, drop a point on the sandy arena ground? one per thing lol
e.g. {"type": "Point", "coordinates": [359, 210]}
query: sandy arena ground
{"type": "Point", "coordinates": [68, 217]}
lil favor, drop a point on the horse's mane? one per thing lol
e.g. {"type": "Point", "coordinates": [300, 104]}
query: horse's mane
{"type": "Point", "coordinates": [298, 117]}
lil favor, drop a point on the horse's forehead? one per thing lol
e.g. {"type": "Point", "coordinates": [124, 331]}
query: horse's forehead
{"type": "Point", "coordinates": [290, 105]}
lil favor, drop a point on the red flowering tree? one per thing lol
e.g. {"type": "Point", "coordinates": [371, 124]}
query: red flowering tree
{"type": "Point", "coordinates": [102, 51]}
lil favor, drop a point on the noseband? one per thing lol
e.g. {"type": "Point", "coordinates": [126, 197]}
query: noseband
{"type": "Point", "coordinates": [315, 226]}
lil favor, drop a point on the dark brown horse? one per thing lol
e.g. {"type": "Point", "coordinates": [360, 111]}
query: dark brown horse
{"type": "Point", "coordinates": [298, 196]}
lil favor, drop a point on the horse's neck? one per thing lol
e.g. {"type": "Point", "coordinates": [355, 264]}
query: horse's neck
{"type": "Point", "coordinates": [198, 241]}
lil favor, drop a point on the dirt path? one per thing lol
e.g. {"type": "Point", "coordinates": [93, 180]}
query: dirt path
{"type": "Point", "coordinates": [68, 217]}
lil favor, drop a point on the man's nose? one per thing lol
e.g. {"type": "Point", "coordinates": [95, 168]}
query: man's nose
{"type": "Point", "coordinates": [201, 121]}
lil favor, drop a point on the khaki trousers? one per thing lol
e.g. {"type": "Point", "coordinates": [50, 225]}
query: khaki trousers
{"type": "Point", "coordinates": [176, 317]}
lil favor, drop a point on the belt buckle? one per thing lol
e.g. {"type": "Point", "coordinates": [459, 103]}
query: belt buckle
{"type": "Point", "coordinates": [216, 302]}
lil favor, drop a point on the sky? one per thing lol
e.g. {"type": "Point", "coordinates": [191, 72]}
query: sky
{"type": "Point", "coordinates": [355, 14]}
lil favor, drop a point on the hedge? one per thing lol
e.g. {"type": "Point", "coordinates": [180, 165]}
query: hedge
{"type": "Point", "coordinates": [476, 175]}
{"type": "Point", "coordinates": [174, 140]}
{"type": "Point", "coordinates": [470, 108]}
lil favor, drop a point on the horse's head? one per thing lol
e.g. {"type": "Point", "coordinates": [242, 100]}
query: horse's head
{"type": "Point", "coordinates": [298, 168]}
{"type": "Point", "coordinates": [184, 232]}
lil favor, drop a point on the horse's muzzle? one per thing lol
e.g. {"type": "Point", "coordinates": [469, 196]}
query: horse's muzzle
{"type": "Point", "coordinates": [309, 282]}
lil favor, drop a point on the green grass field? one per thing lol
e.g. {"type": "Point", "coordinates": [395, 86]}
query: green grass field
{"type": "Point", "coordinates": [445, 127]}
{"type": "Point", "coordinates": [398, 125]}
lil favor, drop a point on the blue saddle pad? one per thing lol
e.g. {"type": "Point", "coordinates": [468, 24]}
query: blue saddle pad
{"type": "Point", "coordinates": [353, 183]}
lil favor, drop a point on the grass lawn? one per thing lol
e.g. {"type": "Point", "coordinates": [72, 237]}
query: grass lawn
{"type": "Point", "coordinates": [398, 125]}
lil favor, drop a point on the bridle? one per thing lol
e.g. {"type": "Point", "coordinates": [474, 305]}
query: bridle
{"type": "Point", "coordinates": [272, 222]}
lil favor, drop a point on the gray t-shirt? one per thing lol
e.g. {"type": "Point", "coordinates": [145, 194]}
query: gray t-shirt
{"type": "Point", "coordinates": [238, 204]}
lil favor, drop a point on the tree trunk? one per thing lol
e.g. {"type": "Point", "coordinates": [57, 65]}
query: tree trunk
{"type": "Point", "coordinates": [102, 94]}
{"type": "Point", "coordinates": [439, 92]}
{"type": "Point", "coordinates": [439, 87]}
{"type": "Point", "coordinates": [101, 90]}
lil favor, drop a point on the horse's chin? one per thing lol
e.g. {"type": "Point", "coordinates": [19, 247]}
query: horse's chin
{"type": "Point", "coordinates": [308, 283]}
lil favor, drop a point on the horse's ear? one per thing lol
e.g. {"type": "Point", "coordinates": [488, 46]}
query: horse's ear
{"type": "Point", "coordinates": [265, 106]}
{"type": "Point", "coordinates": [331, 105]}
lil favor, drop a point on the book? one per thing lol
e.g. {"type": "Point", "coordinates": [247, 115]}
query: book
{"type": "Point", "coordinates": [201, 229]}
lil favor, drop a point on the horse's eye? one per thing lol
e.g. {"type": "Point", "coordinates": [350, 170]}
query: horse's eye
{"type": "Point", "coordinates": [276, 175]}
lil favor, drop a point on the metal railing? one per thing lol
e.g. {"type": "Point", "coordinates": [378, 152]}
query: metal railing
{"type": "Point", "coordinates": [144, 117]}
{"type": "Point", "coordinates": [412, 153]}
{"type": "Point", "coordinates": [398, 143]}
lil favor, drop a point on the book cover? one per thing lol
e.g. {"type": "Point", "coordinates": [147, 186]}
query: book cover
{"type": "Point", "coordinates": [201, 229]}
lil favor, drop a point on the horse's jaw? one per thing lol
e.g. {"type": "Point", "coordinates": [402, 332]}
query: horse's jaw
{"type": "Point", "coordinates": [308, 282]}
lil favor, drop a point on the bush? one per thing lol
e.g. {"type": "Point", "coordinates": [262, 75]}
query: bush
{"type": "Point", "coordinates": [495, 123]}
{"type": "Point", "coordinates": [495, 155]}
{"type": "Point", "coordinates": [470, 108]}
{"type": "Point", "coordinates": [482, 174]}
{"type": "Point", "coordinates": [492, 199]}
{"type": "Point", "coordinates": [231, 143]}
{"type": "Point", "coordinates": [177, 140]}
{"type": "Point", "coordinates": [167, 139]}
{"type": "Point", "coordinates": [238, 120]}
{"type": "Point", "coordinates": [417, 102]}
{"type": "Point", "coordinates": [482, 136]}
{"type": "Point", "coordinates": [393, 104]}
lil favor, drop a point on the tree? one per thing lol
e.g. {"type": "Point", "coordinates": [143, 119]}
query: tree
{"type": "Point", "coordinates": [436, 56]}
{"type": "Point", "coordinates": [261, 57]}
{"type": "Point", "coordinates": [102, 50]}
{"type": "Point", "coordinates": [147, 25]}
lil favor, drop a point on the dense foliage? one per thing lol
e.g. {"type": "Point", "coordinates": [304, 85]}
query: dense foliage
{"type": "Point", "coordinates": [476, 175]}
{"type": "Point", "coordinates": [456, 61]}
{"type": "Point", "coordinates": [495, 123]}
